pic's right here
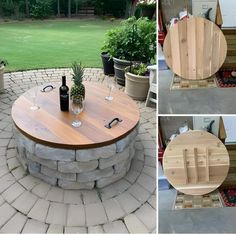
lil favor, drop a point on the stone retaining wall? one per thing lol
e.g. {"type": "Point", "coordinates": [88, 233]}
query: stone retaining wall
{"type": "Point", "coordinates": [76, 169]}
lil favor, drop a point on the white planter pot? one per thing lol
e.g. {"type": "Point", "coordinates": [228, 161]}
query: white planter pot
{"type": "Point", "coordinates": [136, 86]}
{"type": "Point", "coordinates": [1, 79]}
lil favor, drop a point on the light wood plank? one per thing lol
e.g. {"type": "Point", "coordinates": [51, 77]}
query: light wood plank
{"type": "Point", "coordinates": [196, 162]}
{"type": "Point", "coordinates": [185, 165]}
{"type": "Point", "coordinates": [195, 48]}
{"type": "Point", "coordinates": [196, 165]}
{"type": "Point", "coordinates": [175, 50]}
{"type": "Point", "coordinates": [207, 165]}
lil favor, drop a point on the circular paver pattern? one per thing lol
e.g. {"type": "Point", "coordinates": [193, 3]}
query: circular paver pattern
{"type": "Point", "coordinates": [28, 204]}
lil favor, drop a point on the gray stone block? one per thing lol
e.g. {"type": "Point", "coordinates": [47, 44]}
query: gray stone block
{"type": "Point", "coordinates": [122, 144]}
{"type": "Point", "coordinates": [139, 155]}
{"type": "Point", "coordinates": [128, 164]}
{"type": "Point", "coordinates": [85, 155]}
{"type": "Point", "coordinates": [45, 152]}
{"type": "Point", "coordinates": [138, 145]}
{"type": "Point", "coordinates": [77, 167]}
{"type": "Point", "coordinates": [132, 149]}
{"type": "Point", "coordinates": [57, 174]}
{"type": "Point", "coordinates": [105, 163]}
{"type": "Point", "coordinates": [28, 144]}
{"type": "Point", "coordinates": [137, 165]}
{"type": "Point", "coordinates": [47, 179]}
{"type": "Point", "coordinates": [134, 133]}
{"type": "Point", "coordinates": [48, 163]}
{"type": "Point", "coordinates": [75, 185]}
{"type": "Point", "coordinates": [121, 165]}
{"type": "Point", "coordinates": [94, 175]}
{"type": "Point", "coordinates": [23, 141]}
{"type": "Point", "coordinates": [21, 157]}
{"type": "Point", "coordinates": [106, 181]}
{"type": "Point", "coordinates": [33, 167]}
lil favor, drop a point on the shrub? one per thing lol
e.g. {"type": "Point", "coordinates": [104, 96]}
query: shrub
{"type": "Point", "coordinates": [139, 69]}
{"type": "Point", "coordinates": [41, 9]}
{"type": "Point", "coordinates": [133, 40]}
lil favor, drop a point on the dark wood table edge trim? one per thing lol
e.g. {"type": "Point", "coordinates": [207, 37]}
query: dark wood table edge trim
{"type": "Point", "coordinates": [75, 147]}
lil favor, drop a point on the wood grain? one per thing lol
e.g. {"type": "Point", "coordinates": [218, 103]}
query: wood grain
{"type": "Point", "coordinates": [196, 162]}
{"type": "Point", "coordinates": [50, 126]}
{"type": "Point", "coordinates": [195, 48]}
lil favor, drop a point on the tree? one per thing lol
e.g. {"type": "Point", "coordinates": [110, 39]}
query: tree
{"type": "Point", "coordinates": [27, 12]}
{"type": "Point", "coordinates": [69, 8]}
{"type": "Point", "coordinates": [16, 8]}
{"type": "Point", "coordinates": [41, 9]}
{"type": "Point", "coordinates": [130, 8]}
{"type": "Point", "coordinates": [133, 7]}
{"type": "Point", "coordinates": [58, 8]}
{"type": "Point", "coordinates": [76, 6]}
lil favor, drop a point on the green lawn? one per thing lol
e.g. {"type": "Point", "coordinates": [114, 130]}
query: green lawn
{"type": "Point", "coordinates": [52, 43]}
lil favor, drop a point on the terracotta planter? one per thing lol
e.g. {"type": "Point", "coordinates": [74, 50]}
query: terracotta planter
{"type": "Point", "coordinates": [119, 66]}
{"type": "Point", "coordinates": [136, 86]}
{"type": "Point", "coordinates": [1, 79]}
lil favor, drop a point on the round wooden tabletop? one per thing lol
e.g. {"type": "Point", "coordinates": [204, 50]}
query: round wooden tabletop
{"type": "Point", "coordinates": [52, 127]}
{"type": "Point", "coordinates": [195, 48]}
{"type": "Point", "coordinates": [196, 162]}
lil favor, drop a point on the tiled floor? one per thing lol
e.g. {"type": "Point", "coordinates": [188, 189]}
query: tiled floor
{"type": "Point", "coordinates": [204, 220]}
{"type": "Point", "coordinates": [28, 205]}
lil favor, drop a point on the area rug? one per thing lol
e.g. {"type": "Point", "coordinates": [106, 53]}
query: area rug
{"type": "Point", "coordinates": [228, 196]}
{"type": "Point", "coordinates": [210, 200]}
{"type": "Point", "coordinates": [179, 83]}
{"type": "Point", "coordinates": [226, 78]}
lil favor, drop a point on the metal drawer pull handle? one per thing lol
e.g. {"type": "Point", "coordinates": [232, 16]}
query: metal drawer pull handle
{"type": "Point", "coordinates": [109, 126]}
{"type": "Point", "coordinates": [48, 86]}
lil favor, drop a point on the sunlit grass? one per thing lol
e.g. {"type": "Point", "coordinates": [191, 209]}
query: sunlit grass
{"type": "Point", "coordinates": [52, 43]}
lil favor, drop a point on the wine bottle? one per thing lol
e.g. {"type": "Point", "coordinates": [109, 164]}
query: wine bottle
{"type": "Point", "coordinates": [64, 95]}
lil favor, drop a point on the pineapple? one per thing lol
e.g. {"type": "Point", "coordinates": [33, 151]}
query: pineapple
{"type": "Point", "coordinates": [78, 89]}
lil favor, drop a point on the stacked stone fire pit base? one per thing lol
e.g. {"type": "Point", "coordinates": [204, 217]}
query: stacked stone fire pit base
{"type": "Point", "coordinates": [76, 169]}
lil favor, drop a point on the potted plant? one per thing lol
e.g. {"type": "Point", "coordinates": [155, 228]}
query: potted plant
{"type": "Point", "coordinates": [133, 41]}
{"type": "Point", "coordinates": [108, 63]}
{"type": "Point", "coordinates": [3, 64]}
{"type": "Point", "coordinates": [147, 7]}
{"type": "Point", "coordinates": [137, 81]}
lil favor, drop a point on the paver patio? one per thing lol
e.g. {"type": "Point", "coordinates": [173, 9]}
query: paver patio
{"type": "Point", "coordinates": [29, 205]}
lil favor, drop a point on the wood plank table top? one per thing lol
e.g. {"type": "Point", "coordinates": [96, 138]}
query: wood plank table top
{"type": "Point", "coordinates": [196, 162]}
{"type": "Point", "coordinates": [195, 48]}
{"type": "Point", "coordinates": [52, 127]}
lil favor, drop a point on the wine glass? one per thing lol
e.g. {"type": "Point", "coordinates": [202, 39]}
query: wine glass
{"type": "Point", "coordinates": [77, 106]}
{"type": "Point", "coordinates": [33, 94]}
{"type": "Point", "coordinates": [111, 83]}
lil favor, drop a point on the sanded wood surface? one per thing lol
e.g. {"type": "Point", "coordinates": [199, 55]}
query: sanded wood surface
{"type": "Point", "coordinates": [196, 162]}
{"type": "Point", "coordinates": [50, 126]}
{"type": "Point", "coordinates": [195, 48]}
